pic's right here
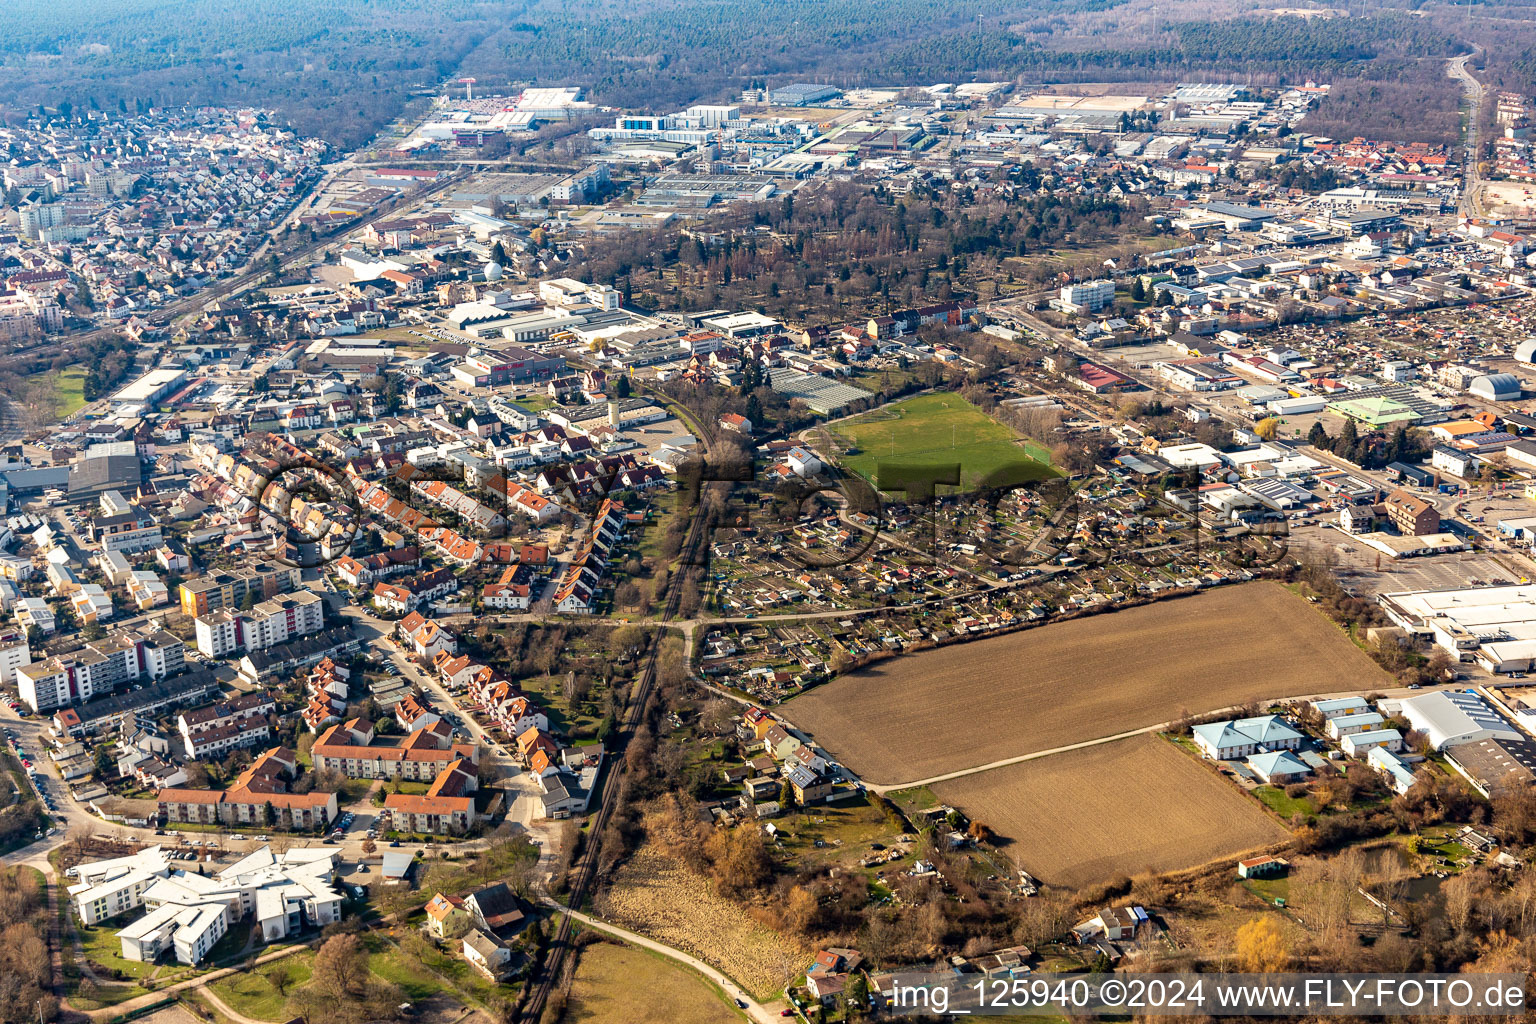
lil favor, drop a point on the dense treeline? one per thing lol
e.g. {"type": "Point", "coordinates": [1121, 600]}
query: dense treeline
{"type": "Point", "coordinates": [338, 69]}
{"type": "Point", "coordinates": [342, 68]}
{"type": "Point", "coordinates": [844, 246]}
{"type": "Point", "coordinates": [26, 973]}
{"type": "Point", "coordinates": [1423, 105]}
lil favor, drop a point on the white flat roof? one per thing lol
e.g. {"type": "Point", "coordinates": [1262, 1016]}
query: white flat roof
{"type": "Point", "coordinates": [1481, 611]}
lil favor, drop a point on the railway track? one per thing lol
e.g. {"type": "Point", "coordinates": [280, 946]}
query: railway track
{"type": "Point", "coordinates": [585, 869]}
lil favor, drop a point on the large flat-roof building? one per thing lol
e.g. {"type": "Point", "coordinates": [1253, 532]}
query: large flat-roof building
{"type": "Point", "coordinates": [802, 94]}
{"type": "Point", "coordinates": [1492, 626]}
{"type": "Point", "coordinates": [1453, 717]}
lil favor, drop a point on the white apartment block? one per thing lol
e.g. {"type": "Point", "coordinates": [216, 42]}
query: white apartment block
{"type": "Point", "coordinates": [12, 657]}
{"type": "Point", "coordinates": [1089, 295]}
{"type": "Point", "coordinates": [224, 632]}
{"type": "Point", "coordinates": [189, 913]}
{"type": "Point", "coordinates": [108, 888]}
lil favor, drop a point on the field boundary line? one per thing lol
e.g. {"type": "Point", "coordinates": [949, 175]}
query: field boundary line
{"type": "Point", "coordinates": [1019, 759]}
{"type": "Point", "coordinates": [960, 773]}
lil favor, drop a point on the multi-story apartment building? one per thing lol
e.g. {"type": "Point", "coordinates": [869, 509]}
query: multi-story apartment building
{"type": "Point", "coordinates": [100, 668]}
{"type": "Point", "coordinates": [14, 653]}
{"type": "Point", "coordinates": [1091, 296]}
{"type": "Point", "coordinates": [129, 531]}
{"type": "Point", "coordinates": [213, 731]}
{"type": "Point", "coordinates": [445, 808]}
{"type": "Point", "coordinates": [228, 589]}
{"type": "Point", "coordinates": [352, 749]}
{"type": "Point", "coordinates": [267, 624]}
{"type": "Point", "coordinates": [259, 797]}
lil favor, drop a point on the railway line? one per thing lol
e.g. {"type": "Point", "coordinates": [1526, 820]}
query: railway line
{"type": "Point", "coordinates": [584, 872]}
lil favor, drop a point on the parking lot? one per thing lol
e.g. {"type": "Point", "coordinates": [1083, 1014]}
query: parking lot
{"type": "Point", "coordinates": [1366, 572]}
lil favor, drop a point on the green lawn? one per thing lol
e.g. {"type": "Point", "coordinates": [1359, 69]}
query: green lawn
{"type": "Point", "coordinates": [1275, 799]}
{"type": "Point", "coordinates": [103, 947]}
{"type": "Point", "coordinates": [408, 788]}
{"type": "Point", "coordinates": [393, 965]}
{"type": "Point", "coordinates": [252, 994]}
{"type": "Point", "coordinates": [69, 390]}
{"type": "Point", "coordinates": [892, 444]}
{"type": "Point", "coordinates": [536, 402]}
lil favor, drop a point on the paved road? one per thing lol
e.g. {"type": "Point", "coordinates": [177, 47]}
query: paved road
{"type": "Point", "coordinates": [1471, 183]}
{"type": "Point", "coordinates": [123, 1009]}
{"type": "Point", "coordinates": [757, 1011]}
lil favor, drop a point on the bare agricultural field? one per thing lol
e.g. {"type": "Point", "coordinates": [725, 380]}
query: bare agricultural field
{"type": "Point", "coordinates": [657, 896]}
{"type": "Point", "coordinates": [971, 704]}
{"type": "Point", "coordinates": [1118, 808]}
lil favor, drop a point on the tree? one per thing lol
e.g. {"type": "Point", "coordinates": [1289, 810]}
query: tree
{"type": "Point", "coordinates": [341, 967]}
{"type": "Point", "coordinates": [1261, 948]}
{"type": "Point", "coordinates": [1318, 437]}
{"type": "Point", "coordinates": [801, 911]}
{"type": "Point", "coordinates": [280, 978]}
{"type": "Point", "coordinates": [1268, 428]}
{"type": "Point", "coordinates": [1349, 437]}
{"type": "Point", "coordinates": [855, 996]}
{"type": "Point", "coordinates": [739, 858]}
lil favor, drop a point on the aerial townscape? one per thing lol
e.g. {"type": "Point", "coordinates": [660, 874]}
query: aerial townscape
{"type": "Point", "coordinates": [533, 513]}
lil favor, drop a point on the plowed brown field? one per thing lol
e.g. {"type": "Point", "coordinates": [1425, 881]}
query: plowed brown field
{"type": "Point", "coordinates": [971, 704]}
{"type": "Point", "coordinates": [1118, 808]}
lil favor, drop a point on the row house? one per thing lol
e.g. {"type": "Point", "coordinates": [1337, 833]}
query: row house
{"type": "Point", "coordinates": [327, 688]}
{"type": "Point", "coordinates": [512, 591]}
{"type": "Point", "coordinates": [360, 572]}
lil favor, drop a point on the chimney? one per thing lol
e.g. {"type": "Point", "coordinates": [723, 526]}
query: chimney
{"type": "Point", "coordinates": [613, 413]}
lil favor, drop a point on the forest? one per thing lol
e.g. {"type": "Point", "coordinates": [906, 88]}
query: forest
{"type": "Point", "coordinates": [843, 250]}
{"type": "Point", "coordinates": [338, 69]}
{"type": "Point", "coordinates": [341, 69]}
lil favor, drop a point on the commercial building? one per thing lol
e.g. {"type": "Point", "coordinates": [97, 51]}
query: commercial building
{"type": "Point", "coordinates": [1495, 764]}
{"type": "Point", "coordinates": [150, 388]}
{"type": "Point", "coordinates": [1492, 626]}
{"type": "Point", "coordinates": [1452, 717]}
{"type": "Point", "coordinates": [802, 94]}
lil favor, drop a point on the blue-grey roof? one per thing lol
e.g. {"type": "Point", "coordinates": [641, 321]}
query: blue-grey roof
{"type": "Point", "coordinates": [1278, 762]}
{"type": "Point", "coordinates": [1263, 729]}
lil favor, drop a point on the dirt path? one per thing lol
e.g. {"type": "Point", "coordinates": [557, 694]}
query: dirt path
{"type": "Point", "coordinates": [126, 1008]}
{"type": "Point", "coordinates": [207, 992]}
{"type": "Point", "coordinates": [755, 1010]}
{"type": "Point", "coordinates": [961, 773]}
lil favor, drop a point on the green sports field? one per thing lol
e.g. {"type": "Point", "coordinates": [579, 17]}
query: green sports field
{"type": "Point", "coordinates": [940, 429]}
